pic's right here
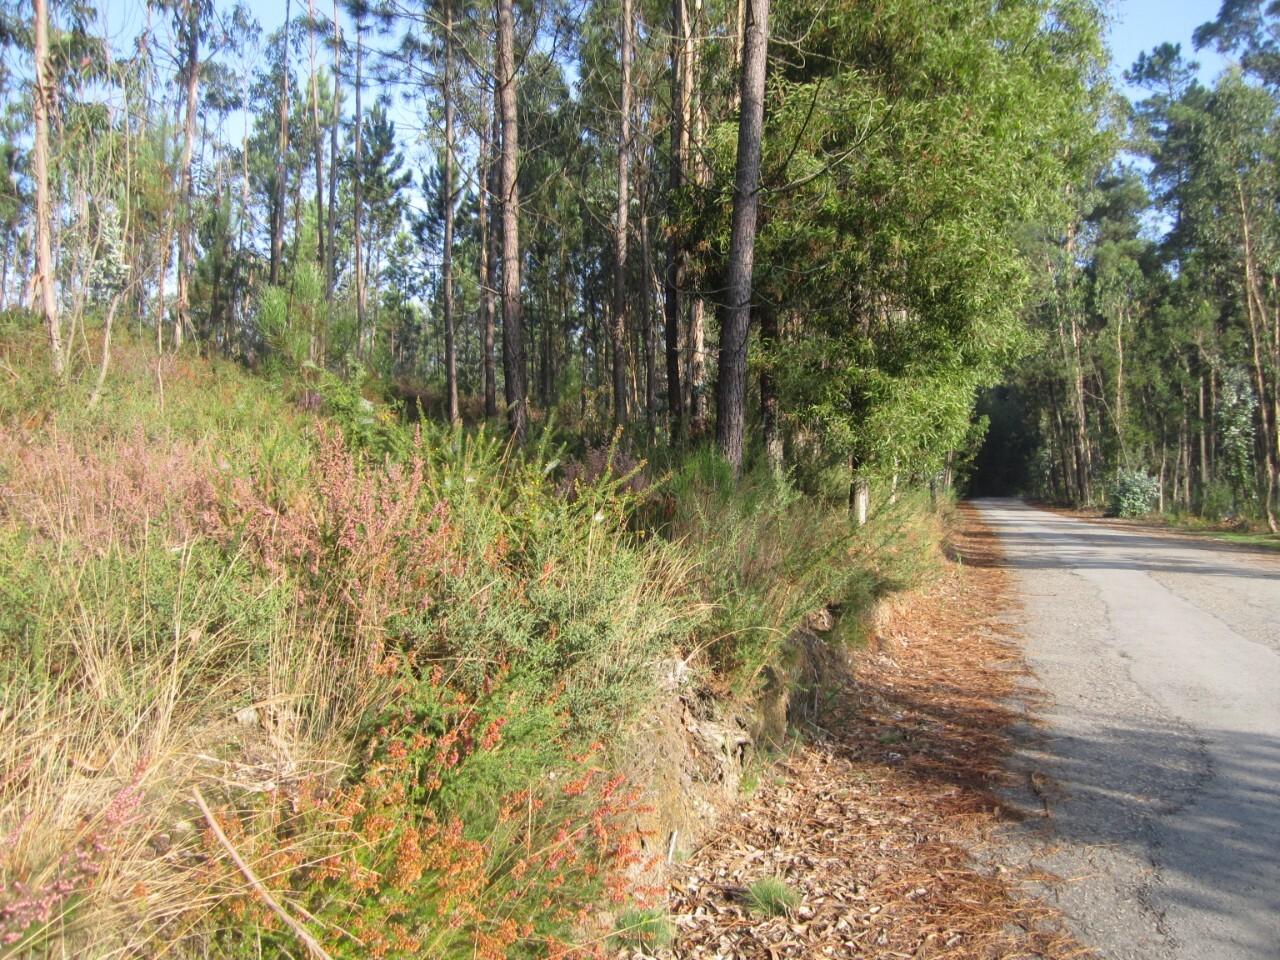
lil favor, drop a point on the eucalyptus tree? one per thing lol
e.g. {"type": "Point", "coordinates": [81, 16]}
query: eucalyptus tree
{"type": "Point", "coordinates": [893, 208]}
{"type": "Point", "coordinates": [191, 19]}
{"type": "Point", "coordinates": [1234, 178]}
{"type": "Point", "coordinates": [42, 96]}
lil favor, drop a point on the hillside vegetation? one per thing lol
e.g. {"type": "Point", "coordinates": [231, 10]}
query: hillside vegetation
{"type": "Point", "coordinates": [400, 665]}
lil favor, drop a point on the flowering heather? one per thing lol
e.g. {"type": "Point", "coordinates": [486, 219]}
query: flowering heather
{"type": "Point", "coordinates": [116, 491]}
{"type": "Point", "coordinates": [367, 539]}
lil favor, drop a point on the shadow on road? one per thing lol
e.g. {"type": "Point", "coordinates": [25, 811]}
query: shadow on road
{"type": "Point", "coordinates": [1069, 543]}
{"type": "Point", "coordinates": [1137, 789]}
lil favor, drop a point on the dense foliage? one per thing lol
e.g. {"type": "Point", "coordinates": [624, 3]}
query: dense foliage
{"type": "Point", "coordinates": [1156, 320]}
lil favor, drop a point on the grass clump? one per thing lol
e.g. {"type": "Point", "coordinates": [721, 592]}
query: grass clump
{"type": "Point", "coordinates": [648, 929]}
{"type": "Point", "coordinates": [766, 557]}
{"type": "Point", "coordinates": [771, 897]}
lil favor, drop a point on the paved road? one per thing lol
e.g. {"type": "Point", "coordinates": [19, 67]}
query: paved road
{"type": "Point", "coordinates": [1158, 757]}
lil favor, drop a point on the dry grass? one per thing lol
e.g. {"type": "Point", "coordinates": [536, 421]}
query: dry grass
{"type": "Point", "coordinates": [101, 844]}
{"type": "Point", "coordinates": [874, 821]}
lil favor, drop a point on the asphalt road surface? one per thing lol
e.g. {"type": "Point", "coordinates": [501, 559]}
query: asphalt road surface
{"type": "Point", "coordinates": [1153, 777]}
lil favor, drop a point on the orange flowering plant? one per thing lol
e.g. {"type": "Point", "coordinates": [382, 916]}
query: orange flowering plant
{"type": "Point", "coordinates": [428, 851]}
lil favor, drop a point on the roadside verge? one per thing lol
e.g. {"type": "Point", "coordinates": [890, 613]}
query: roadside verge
{"type": "Point", "coordinates": [871, 825]}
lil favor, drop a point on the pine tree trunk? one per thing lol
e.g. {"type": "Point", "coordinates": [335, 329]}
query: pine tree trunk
{"type": "Point", "coordinates": [513, 359]}
{"type": "Point", "coordinates": [675, 254]}
{"type": "Point", "coordinates": [4, 272]}
{"type": "Point", "coordinates": [488, 260]}
{"type": "Point", "coordinates": [1083, 460]}
{"type": "Point", "coordinates": [731, 386]}
{"type": "Point", "coordinates": [450, 354]}
{"type": "Point", "coordinates": [186, 234]}
{"type": "Point", "coordinates": [769, 412]}
{"type": "Point", "coordinates": [618, 326]}
{"type": "Point", "coordinates": [316, 142]}
{"type": "Point", "coordinates": [357, 213]}
{"type": "Point", "coordinates": [41, 102]}
{"type": "Point", "coordinates": [335, 122]}
{"type": "Point", "coordinates": [694, 125]}
{"type": "Point", "coordinates": [650, 329]}
{"type": "Point", "coordinates": [282, 150]}
{"type": "Point", "coordinates": [1204, 438]}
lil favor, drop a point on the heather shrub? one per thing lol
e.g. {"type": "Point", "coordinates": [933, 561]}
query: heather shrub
{"type": "Point", "coordinates": [383, 656]}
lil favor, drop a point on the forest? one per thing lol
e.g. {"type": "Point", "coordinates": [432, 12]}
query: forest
{"type": "Point", "coordinates": [395, 396]}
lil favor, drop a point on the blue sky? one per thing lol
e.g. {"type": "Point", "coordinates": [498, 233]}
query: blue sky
{"type": "Point", "coordinates": [1139, 25]}
{"type": "Point", "coordinates": [1136, 25]}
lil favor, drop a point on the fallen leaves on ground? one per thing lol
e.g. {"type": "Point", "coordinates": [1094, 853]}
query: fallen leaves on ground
{"type": "Point", "coordinates": [875, 819]}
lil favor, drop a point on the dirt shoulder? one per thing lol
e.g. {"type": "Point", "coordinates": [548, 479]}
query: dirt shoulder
{"type": "Point", "coordinates": [877, 820]}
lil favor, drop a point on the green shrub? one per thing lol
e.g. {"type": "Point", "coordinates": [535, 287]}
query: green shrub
{"type": "Point", "coordinates": [1133, 494]}
{"type": "Point", "coordinates": [1218, 502]}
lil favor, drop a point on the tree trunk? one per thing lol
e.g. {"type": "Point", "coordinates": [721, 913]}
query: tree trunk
{"type": "Point", "coordinates": [282, 150]}
{"type": "Point", "coordinates": [675, 253]}
{"type": "Point", "coordinates": [618, 325]}
{"type": "Point", "coordinates": [513, 359]}
{"type": "Point", "coordinates": [768, 387]}
{"type": "Point", "coordinates": [650, 329]}
{"type": "Point", "coordinates": [859, 494]}
{"type": "Point", "coordinates": [1119, 411]}
{"type": "Point", "coordinates": [488, 264]}
{"type": "Point", "coordinates": [96, 395]}
{"type": "Point", "coordinates": [1083, 459]}
{"type": "Point", "coordinates": [1256, 313]}
{"type": "Point", "coordinates": [316, 142]}
{"type": "Point", "coordinates": [357, 212]}
{"type": "Point", "coordinates": [450, 354]}
{"type": "Point", "coordinates": [331, 248]}
{"type": "Point", "coordinates": [1204, 438]}
{"type": "Point", "coordinates": [1164, 456]}
{"type": "Point", "coordinates": [186, 234]}
{"type": "Point", "coordinates": [693, 123]}
{"type": "Point", "coordinates": [41, 103]}
{"type": "Point", "coordinates": [731, 386]}
{"type": "Point", "coordinates": [4, 272]}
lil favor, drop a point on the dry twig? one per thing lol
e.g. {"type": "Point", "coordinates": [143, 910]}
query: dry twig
{"type": "Point", "coordinates": [310, 942]}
